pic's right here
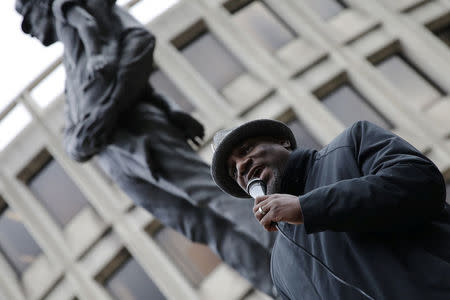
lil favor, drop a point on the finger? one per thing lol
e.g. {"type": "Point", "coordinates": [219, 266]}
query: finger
{"type": "Point", "coordinates": [193, 140]}
{"type": "Point", "coordinates": [262, 203]}
{"type": "Point", "coordinates": [267, 220]}
{"type": "Point", "coordinates": [199, 140]}
{"type": "Point", "coordinates": [260, 199]}
{"type": "Point", "coordinates": [259, 214]}
{"type": "Point", "coordinates": [272, 227]}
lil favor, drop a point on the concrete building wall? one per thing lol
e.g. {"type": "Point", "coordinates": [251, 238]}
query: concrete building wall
{"type": "Point", "coordinates": [317, 65]}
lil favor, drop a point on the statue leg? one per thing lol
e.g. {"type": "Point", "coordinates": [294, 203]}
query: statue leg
{"type": "Point", "coordinates": [181, 166]}
{"type": "Point", "coordinates": [199, 224]}
{"type": "Point", "coordinates": [156, 141]}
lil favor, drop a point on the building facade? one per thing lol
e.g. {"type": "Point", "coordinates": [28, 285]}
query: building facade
{"type": "Point", "coordinates": [67, 232]}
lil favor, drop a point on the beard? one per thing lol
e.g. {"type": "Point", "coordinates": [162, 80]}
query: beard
{"type": "Point", "coordinates": [275, 184]}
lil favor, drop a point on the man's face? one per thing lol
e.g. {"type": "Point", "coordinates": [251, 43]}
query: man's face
{"type": "Point", "coordinates": [261, 157]}
{"type": "Point", "coordinates": [39, 24]}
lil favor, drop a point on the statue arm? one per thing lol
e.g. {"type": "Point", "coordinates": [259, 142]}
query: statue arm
{"type": "Point", "coordinates": [87, 26]}
{"type": "Point", "coordinates": [193, 130]}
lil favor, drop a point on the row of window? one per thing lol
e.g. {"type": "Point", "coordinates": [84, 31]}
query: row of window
{"type": "Point", "coordinates": [63, 200]}
{"type": "Point", "coordinates": [220, 67]}
{"type": "Point", "coordinates": [127, 280]}
{"type": "Point", "coordinates": [345, 102]}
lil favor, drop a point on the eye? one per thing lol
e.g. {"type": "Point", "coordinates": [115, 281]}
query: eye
{"type": "Point", "coordinates": [246, 149]}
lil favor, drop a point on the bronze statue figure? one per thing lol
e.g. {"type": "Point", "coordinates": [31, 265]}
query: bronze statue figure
{"type": "Point", "coordinates": [139, 136]}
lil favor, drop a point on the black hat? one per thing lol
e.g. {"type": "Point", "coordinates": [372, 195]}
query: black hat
{"type": "Point", "coordinates": [225, 140]}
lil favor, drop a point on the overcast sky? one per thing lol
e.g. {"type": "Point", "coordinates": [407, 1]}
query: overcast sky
{"type": "Point", "coordinates": [22, 58]}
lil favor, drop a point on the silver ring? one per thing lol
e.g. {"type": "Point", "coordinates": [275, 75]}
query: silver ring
{"type": "Point", "coordinates": [261, 211]}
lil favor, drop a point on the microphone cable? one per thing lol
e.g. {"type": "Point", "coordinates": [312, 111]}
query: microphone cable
{"type": "Point", "coordinates": [255, 188]}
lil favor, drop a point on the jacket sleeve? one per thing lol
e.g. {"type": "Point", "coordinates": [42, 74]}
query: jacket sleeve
{"type": "Point", "coordinates": [399, 189]}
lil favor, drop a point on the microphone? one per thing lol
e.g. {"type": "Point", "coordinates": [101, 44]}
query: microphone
{"type": "Point", "coordinates": [256, 187]}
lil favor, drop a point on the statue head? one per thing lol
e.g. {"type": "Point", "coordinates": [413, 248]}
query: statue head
{"type": "Point", "coordinates": [38, 19]}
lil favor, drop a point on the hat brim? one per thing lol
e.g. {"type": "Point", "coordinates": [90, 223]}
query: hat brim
{"type": "Point", "coordinates": [256, 128]}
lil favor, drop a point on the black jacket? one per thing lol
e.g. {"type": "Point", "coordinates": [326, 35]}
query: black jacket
{"type": "Point", "coordinates": [374, 211]}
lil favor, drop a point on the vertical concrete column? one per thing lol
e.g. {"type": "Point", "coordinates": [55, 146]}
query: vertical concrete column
{"type": "Point", "coordinates": [9, 285]}
{"type": "Point", "coordinates": [152, 259]}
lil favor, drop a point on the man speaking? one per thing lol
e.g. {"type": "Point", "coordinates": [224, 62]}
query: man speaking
{"type": "Point", "coordinates": [363, 218]}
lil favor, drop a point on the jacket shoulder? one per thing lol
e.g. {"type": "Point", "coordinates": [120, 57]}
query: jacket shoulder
{"type": "Point", "coordinates": [343, 140]}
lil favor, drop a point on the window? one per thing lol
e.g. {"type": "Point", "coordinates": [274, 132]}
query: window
{"type": "Point", "coordinates": [444, 34]}
{"type": "Point", "coordinates": [15, 242]}
{"type": "Point", "coordinates": [303, 137]}
{"type": "Point", "coordinates": [416, 88]}
{"type": "Point", "coordinates": [165, 86]}
{"type": "Point", "coordinates": [130, 282]}
{"type": "Point", "coordinates": [194, 260]}
{"type": "Point", "coordinates": [326, 8]}
{"type": "Point", "coordinates": [212, 60]}
{"type": "Point", "coordinates": [259, 22]}
{"type": "Point", "coordinates": [348, 106]}
{"type": "Point", "coordinates": [54, 189]}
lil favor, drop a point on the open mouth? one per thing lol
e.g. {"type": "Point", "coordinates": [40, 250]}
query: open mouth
{"type": "Point", "coordinates": [255, 172]}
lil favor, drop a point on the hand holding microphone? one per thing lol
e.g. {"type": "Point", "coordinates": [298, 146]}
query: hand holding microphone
{"type": "Point", "coordinates": [271, 209]}
{"type": "Point", "coordinates": [257, 188]}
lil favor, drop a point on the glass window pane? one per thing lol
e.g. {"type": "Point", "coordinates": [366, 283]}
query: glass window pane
{"type": "Point", "coordinates": [444, 34]}
{"type": "Point", "coordinates": [130, 282]}
{"type": "Point", "coordinates": [15, 241]}
{"type": "Point", "coordinates": [417, 89]}
{"type": "Point", "coordinates": [165, 86]}
{"type": "Point", "coordinates": [57, 192]}
{"type": "Point", "coordinates": [213, 61]}
{"type": "Point", "coordinates": [196, 261]}
{"type": "Point", "coordinates": [349, 107]}
{"type": "Point", "coordinates": [258, 21]}
{"type": "Point", "coordinates": [326, 8]}
{"type": "Point", "coordinates": [303, 137]}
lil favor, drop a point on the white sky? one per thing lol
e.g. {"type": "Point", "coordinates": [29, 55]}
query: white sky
{"type": "Point", "coordinates": [23, 58]}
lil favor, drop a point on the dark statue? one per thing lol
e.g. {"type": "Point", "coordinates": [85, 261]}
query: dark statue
{"type": "Point", "coordinates": [139, 136]}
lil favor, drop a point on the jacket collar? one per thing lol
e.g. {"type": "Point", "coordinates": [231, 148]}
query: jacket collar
{"type": "Point", "coordinates": [297, 168]}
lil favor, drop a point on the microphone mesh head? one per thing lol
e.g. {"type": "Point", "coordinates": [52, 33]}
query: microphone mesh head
{"type": "Point", "coordinates": [256, 187]}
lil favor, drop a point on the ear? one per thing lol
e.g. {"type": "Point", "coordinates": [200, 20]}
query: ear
{"type": "Point", "coordinates": [286, 144]}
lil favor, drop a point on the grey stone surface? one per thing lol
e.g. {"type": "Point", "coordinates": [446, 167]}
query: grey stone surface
{"type": "Point", "coordinates": [139, 136]}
